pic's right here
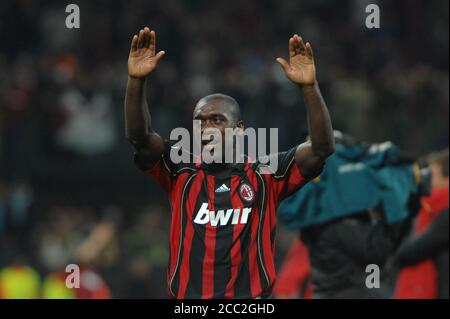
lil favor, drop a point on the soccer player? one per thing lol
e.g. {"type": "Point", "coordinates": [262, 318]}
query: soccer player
{"type": "Point", "coordinates": [224, 216]}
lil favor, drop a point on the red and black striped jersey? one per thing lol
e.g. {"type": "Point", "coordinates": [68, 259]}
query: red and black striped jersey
{"type": "Point", "coordinates": [222, 238]}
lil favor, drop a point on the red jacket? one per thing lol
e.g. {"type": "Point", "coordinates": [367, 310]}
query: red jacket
{"type": "Point", "coordinates": [294, 277]}
{"type": "Point", "coordinates": [420, 281]}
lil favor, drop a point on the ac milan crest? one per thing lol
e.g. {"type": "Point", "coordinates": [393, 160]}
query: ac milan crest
{"type": "Point", "coordinates": [246, 192]}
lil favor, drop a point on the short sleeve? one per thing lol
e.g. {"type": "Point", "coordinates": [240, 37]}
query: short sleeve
{"type": "Point", "coordinates": [163, 171]}
{"type": "Point", "coordinates": [286, 178]}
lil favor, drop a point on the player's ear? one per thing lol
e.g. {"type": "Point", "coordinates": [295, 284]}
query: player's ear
{"type": "Point", "coordinates": [240, 124]}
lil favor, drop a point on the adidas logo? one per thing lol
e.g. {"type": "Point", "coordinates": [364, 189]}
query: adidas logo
{"type": "Point", "coordinates": [223, 189]}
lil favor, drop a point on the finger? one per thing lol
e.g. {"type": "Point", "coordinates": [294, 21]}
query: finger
{"type": "Point", "coordinates": [284, 64]}
{"type": "Point", "coordinates": [152, 42]}
{"type": "Point", "coordinates": [141, 39]}
{"type": "Point", "coordinates": [309, 51]}
{"type": "Point", "coordinates": [292, 52]}
{"type": "Point", "coordinates": [159, 55]}
{"type": "Point", "coordinates": [134, 43]}
{"type": "Point", "coordinates": [301, 46]}
{"type": "Point", "coordinates": [296, 44]}
{"type": "Point", "coordinates": [146, 37]}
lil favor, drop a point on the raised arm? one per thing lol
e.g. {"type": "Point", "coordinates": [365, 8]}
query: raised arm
{"type": "Point", "coordinates": [142, 61]}
{"type": "Point", "coordinates": [301, 70]}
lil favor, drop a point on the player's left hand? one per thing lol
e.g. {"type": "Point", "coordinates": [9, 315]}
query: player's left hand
{"type": "Point", "coordinates": [301, 68]}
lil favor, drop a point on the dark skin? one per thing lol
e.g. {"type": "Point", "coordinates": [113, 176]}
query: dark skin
{"type": "Point", "coordinates": [217, 113]}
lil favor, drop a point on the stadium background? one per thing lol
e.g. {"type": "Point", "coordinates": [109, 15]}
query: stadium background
{"type": "Point", "coordinates": [67, 180]}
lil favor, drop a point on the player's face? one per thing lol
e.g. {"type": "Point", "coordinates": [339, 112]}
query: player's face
{"type": "Point", "coordinates": [214, 115]}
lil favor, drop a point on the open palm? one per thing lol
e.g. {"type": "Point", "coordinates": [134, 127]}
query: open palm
{"type": "Point", "coordinates": [142, 59]}
{"type": "Point", "coordinates": [301, 68]}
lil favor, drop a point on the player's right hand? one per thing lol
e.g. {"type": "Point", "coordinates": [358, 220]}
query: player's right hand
{"type": "Point", "coordinates": [142, 59]}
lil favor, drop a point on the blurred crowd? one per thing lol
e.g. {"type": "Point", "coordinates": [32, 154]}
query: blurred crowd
{"type": "Point", "coordinates": [66, 174]}
{"type": "Point", "coordinates": [126, 252]}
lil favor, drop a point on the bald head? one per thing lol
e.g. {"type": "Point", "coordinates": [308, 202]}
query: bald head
{"type": "Point", "coordinates": [219, 103]}
{"type": "Point", "coordinates": [218, 112]}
